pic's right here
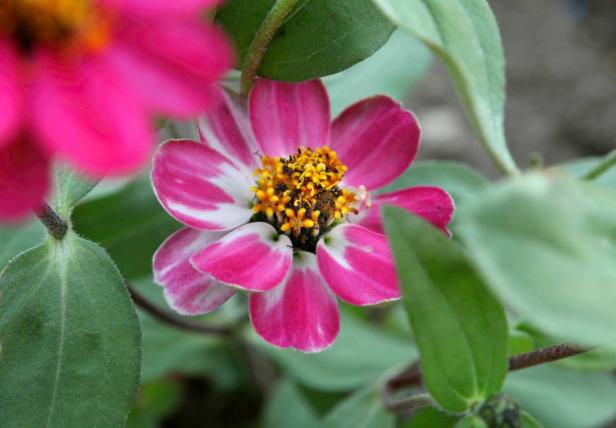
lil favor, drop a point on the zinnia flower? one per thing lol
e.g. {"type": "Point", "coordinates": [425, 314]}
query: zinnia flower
{"type": "Point", "coordinates": [80, 79]}
{"type": "Point", "coordinates": [280, 203]}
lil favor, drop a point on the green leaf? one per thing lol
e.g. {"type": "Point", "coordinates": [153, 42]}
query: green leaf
{"type": "Point", "coordinates": [546, 245]}
{"type": "Point", "coordinates": [361, 354]}
{"type": "Point", "coordinates": [528, 421]}
{"type": "Point", "coordinates": [69, 188]}
{"type": "Point", "coordinates": [462, 182]}
{"type": "Point", "coordinates": [130, 225]}
{"type": "Point", "coordinates": [563, 398]}
{"type": "Point", "coordinates": [471, 421]}
{"type": "Point", "coordinates": [287, 408]}
{"type": "Point", "coordinates": [319, 37]}
{"type": "Point", "coordinates": [70, 339]}
{"type": "Point", "coordinates": [520, 342]}
{"type": "Point", "coordinates": [17, 239]}
{"type": "Point", "coordinates": [464, 33]}
{"type": "Point", "coordinates": [578, 168]}
{"type": "Point", "coordinates": [156, 400]}
{"type": "Point", "coordinates": [393, 70]}
{"type": "Point", "coordinates": [460, 328]}
{"type": "Point", "coordinates": [431, 417]}
{"type": "Point", "coordinates": [362, 409]}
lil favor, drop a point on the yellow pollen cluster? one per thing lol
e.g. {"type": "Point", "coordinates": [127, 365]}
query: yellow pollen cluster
{"type": "Point", "coordinates": [301, 192]}
{"type": "Point", "coordinates": [70, 23]}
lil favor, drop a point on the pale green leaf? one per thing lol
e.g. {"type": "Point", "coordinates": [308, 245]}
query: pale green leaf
{"type": "Point", "coordinates": [564, 398]}
{"type": "Point", "coordinates": [465, 34]}
{"type": "Point", "coordinates": [363, 409]}
{"type": "Point", "coordinates": [528, 421]}
{"type": "Point", "coordinates": [69, 188]}
{"type": "Point", "coordinates": [547, 245]}
{"type": "Point", "coordinates": [287, 408]}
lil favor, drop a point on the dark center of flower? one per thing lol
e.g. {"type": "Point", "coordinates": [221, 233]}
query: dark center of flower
{"type": "Point", "coordinates": [53, 23]}
{"type": "Point", "coordinates": [300, 195]}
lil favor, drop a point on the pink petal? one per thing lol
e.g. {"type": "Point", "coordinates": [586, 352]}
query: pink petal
{"type": "Point", "coordinates": [226, 129]}
{"type": "Point", "coordinates": [376, 139]}
{"type": "Point", "coordinates": [24, 179]}
{"type": "Point", "coordinates": [200, 187]}
{"type": "Point", "coordinates": [301, 313]}
{"type": "Point", "coordinates": [171, 66]}
{"type": "Point", "coordinates": [10, 94]}
{"type": "Point", "coordinates": [285, 116]}
{"type": "Point", "coordinates": [357, 264]}
{"type": "Point", "coordinates": [86, 115]}
{"type": "Point", "coordinates": [253, 257]}
{"type": "Point", "coordinates": [431, 203]}
{"type": "Point", "coordinates": [160, 7]}
{"type": "Point", "coordinates": [187, 290]}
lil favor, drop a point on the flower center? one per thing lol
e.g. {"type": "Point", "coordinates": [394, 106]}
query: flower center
{"type": "Point", "coordinates": [300, 195]}
{"type": "Point", "coordinates": [54, 23]}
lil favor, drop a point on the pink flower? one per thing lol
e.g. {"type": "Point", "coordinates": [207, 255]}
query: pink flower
{"type": "Point", "coordinates": [80, 80]}
{"type": "Point", "coordinates": [280, 203]}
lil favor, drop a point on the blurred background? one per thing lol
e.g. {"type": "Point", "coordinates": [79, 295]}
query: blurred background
{"type": "Point", "coordinates": [561, 86]}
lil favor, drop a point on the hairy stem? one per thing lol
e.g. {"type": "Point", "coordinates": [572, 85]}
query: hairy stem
{"type": "Point", "coordinates": [273, 21]}
{"type": "Point", "coordinates": [56, 227]}
{"type": "Point", "coordinates": [177, 322]}
{"type": "Point", "coordinates": [545, 355]}
{"type": "Point", "coordinates": [608, 161]}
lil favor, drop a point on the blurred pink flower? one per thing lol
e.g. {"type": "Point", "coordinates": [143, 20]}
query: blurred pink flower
{"type": "Point", "coordinates": [296, 226]}
{"type": "Point", "coordinates": [81, 79]}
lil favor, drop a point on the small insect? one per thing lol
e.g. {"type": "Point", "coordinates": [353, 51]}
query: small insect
{"type": "Point", "coordinates": [326, 203]}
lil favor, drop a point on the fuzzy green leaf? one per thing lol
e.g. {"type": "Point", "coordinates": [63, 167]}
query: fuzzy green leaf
{"type": "Point", "coordinates": [464, 33]}
{"type": "Point", "coordinates": [547, 245]}
{"type": "Point", "coordinates": [70, 339]}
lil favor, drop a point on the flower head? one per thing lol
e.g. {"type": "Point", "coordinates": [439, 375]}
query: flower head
{"type": "Point", "coordinates": [80, 80]}
{"type": "Point", "coordinates": [280, 202]}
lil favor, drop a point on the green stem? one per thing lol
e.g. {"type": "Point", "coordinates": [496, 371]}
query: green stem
{"type": "Point", "coordinates": [274, 20]}
{"type": "Point", "coordinates": [608, 161]}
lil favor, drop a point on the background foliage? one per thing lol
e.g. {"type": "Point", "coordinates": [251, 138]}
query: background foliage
{"type": "Point", "coordinates": [532, 263]}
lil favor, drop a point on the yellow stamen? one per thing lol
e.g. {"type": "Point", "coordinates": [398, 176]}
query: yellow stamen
{"type": "Point", "coordinates": [301, 192]}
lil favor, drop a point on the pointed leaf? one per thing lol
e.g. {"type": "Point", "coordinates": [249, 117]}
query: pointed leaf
{"type": "Point", "coordinates": [69, 188]}
{"type": "Point", "coordinates": [362, 409]}
{"type": "Point", "coordinates": [464, 33]}
{"type": "Point", "coordinates": [460, 328]}
{"type": "Point", "coordinates": [319, 37]}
